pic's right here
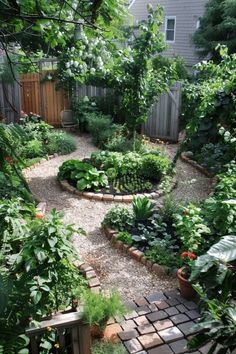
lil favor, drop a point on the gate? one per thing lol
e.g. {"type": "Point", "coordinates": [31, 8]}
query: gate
{"type": "Point", "coordinates": [42, 97]}
{"type": "Point", "coordinates": [163, 122]}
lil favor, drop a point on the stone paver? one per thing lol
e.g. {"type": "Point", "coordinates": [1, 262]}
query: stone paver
{"type": "Point", "coordinates": [133, 346]}
{"type": "Point", "coordinates": [171, 334]}
{"type": "Point", "coordinates": [150, 340]}
{"type": "Point", "coordinates": [146, 329]}
{"type": "Point", "coordinates": [179, 347]}
{"type": "Point", "coordinates": [159, 324]}
{"type": "Point", "coordinates": [162, 349]}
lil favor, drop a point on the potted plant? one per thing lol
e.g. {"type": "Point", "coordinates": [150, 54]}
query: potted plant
{"type": "Point", "coordinates": [183, 275]}
{"type": "Point", "coordinates": [98, 308]}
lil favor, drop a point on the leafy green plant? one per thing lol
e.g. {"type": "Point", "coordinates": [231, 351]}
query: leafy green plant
{"type": "Point", "coordinates": [37, 275]}
{"type": "Point", "coordinates": [164, 253]}
{"type": "Point", "coordinates": [125, 237]}
{"type": "Point", "coordinates": [107, 348]}
{"type": "Point", "coordinates": [100, 127]}
{"type": "Point", "coordinates": [210, 98]}
{"type": "Point", "coordinates": [214, 277]}
{"type": "Point", "coordinates": [33, 148]}
{"type": "Point", "coordinates": [143, 208]}
{"type": "Point", "coordinates": [82, 109]}
{"type": "Point", "coordinates": [49, 287]}
{"type": "Point", "coordinates": [191, 228]}
{"type": "Point", "coordinates": [154, 166]}
{"type": "Point", "coordinates": [98, 308]}
{"type": "Point", "coordinates": [119, 218]}
{"type": "Point", "coordinates": [88, 177]}
{"type": "Point", "coordinates": [83, 175]}
{"type": "Point", "coordinates": [219, 212]}
{"type": "Point", "coordinates": [61, 143]}
{"type": "Point", "coordinates": [35, 128]}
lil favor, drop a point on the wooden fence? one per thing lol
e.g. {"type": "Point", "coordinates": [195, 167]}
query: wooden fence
{"type": "Point", "coordinates": [10, 101]}
{"type": "Point", "coordinates": [72, 335]}
{"type": "Point", "coordinates": [43, 97]}
{"type": "Point", "coordinates": [163, 122]}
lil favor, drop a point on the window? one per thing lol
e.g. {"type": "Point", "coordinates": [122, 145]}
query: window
{"type": "Point", "coordinates": [170, 25]}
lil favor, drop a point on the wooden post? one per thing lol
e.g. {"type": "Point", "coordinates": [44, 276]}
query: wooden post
{"type": "Point", "coordinates": [80, 333]}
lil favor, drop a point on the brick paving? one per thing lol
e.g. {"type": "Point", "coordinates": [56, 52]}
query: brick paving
{"type": "Point", "coordinates": [158, 324]}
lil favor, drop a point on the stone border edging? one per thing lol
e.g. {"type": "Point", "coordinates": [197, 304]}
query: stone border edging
{"type": "Point", "coordinates": [201, 169]}
{"type": "Point", "coordinates": [84, 268]}
{"type": "Point", "coordinates": [193, 163]}
{"type": "Point", "coordinates": [133, 252]}
{"type": "Point", "coordinates": [110, 197]}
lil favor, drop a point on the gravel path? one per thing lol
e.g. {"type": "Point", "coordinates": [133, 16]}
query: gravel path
{"type": "Point", "coordinates": [115, 270]}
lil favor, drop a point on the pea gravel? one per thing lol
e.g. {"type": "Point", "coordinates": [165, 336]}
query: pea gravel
{"type": "Point", "coordinates": [115, 269]}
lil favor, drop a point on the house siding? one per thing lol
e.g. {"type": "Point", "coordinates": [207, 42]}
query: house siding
{"type": "Point", "coordinates": [187, 13]}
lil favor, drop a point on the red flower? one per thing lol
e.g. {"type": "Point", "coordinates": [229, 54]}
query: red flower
{"type": "Point", "coordinates": [192, 255]}
{"type": "Point", "coordinates": [184, 254]}
{"type": "Point", "coordinates": [186, 212]}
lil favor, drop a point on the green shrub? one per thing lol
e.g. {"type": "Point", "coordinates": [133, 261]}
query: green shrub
{"type": "Point", "coordinates": [154, 166]}
{"type": "Point", "coordinates": [33, 148]}
{"type": "Point", "coordinates": [120, 143]}
{"type": "Point", "coordinates": [82, 109]}
{"type": "Point", "coordinates": [143, 209]}
{"type": "Point", "coordinates": [61, 143]}
{"type": "Point", "coordinates": [100, 127]}
{"type": "Point", "coordinates": [119, 218]}
{"type": "Point", "coordinates": [98, 308]}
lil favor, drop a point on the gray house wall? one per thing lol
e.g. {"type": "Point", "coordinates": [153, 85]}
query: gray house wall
{"type": "Point", "coordinates": [187, 13]}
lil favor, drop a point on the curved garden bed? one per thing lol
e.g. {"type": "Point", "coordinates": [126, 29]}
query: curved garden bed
{"type": "Point", "coordinates": [113, 176]}
{"type": "Point", "coordinates": [147, 233]}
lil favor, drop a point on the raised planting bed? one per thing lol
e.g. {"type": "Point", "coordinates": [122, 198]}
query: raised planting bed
{"type": "Point", "coordinates": [113, 176]}
{"type": "Point", "coordinates": [147, 234]}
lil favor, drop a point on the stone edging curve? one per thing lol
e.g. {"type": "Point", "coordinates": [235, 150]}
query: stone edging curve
{"type": "Point", "coordinates": [134, 252]}
{"type": "Point", "coordinates": [201, 169]}
{"type": "Point", "coordinates": [113, 198]}
{"type": "Point", "coordinates": [84, 268]}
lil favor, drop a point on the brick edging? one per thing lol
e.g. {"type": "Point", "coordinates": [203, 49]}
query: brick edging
{"type": "Point", "coordinates": [193, 163]}
{"type": "Point", "coordinates": [110, 197]}
{"type": "Point", "coordinates": [203, 170]}
{"type": "Point", "coordinates": [84, 268]}
{"type": "Point", "coordinates": [133, 252]}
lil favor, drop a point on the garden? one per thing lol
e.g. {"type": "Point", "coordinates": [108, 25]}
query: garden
{"type": "Point", "coordinates": [100, 225]}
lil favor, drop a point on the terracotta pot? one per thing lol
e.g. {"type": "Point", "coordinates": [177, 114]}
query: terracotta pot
{"type": "Point", "coordinates": [186, 289]}
{"type": "Point", "coordinates": [96, 331]}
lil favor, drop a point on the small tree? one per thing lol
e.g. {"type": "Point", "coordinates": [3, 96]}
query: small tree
{"type": "Point", "coordinates": [135, 78]}
{"type": "Point", "coordinates": [217, 26]}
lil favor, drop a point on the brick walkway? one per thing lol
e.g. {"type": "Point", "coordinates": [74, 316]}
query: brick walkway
{"type": "Point", "coordinates": [158, 324]}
